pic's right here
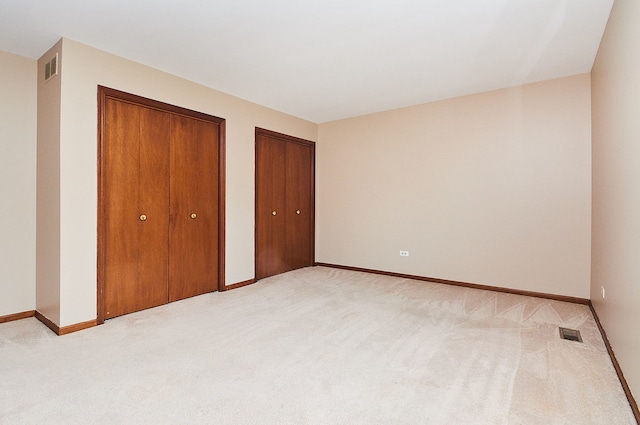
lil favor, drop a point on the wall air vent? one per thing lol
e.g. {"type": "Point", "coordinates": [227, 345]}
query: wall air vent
{"type": "Point", "coordinates": [51, 68]}
{"type": "Point", "coordinates": [570, 334]}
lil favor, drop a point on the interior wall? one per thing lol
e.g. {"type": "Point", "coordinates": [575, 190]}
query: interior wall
{"type": "Point", "coordinates": [84, 68]}
{"type": "Point", "coordinates": [48, 190]}
{"type": "Point", "coordinates": [493, 189]}
{"type": "Point", "coordinates": [616, 178]}
{"type": "Point", "coordinates": [18, 116]}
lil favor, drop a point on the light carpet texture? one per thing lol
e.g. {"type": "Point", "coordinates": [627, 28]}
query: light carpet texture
{"type": "Point", "coordinates": [318, 346]}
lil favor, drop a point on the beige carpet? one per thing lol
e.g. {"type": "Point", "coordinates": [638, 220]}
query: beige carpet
{"type": "Point", "coordinates": [318, 346]}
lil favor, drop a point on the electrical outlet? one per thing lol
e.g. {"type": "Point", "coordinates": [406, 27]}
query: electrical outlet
{"type": "Point", "coordinates": [404, 253]}
{"type": "Point", "coordinates": [602, 288]}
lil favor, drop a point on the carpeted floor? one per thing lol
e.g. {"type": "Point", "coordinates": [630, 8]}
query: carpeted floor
{"type": "Point", "coordinates": [318, 346]}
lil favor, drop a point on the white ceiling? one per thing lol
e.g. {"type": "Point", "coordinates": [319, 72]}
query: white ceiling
{"type": "Point", "coordinates": [327, 59]}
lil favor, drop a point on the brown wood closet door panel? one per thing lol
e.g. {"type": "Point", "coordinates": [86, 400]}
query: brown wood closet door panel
{"type": "Point", "coordinates": [193, 239]}
{"type": "Point", "coordinates": [270, 199]}
{"type": "Point", "coordinates": [154, 203]}
{"type": "Point", "coordinates": [299, 206]}
{"type": "Point", "coordinates": [135, 251]}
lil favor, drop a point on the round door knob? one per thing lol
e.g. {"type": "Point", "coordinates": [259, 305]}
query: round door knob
{"type": "Point", "coordinates": [297, 211]}
{"type": "Point", "coordinates": [193, 215]}
{"type": "Point", "coordinates": [273, 213]}
{"type": "Point", "coordinates": [143, 217]}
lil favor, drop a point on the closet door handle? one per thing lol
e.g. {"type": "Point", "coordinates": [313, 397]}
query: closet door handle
{"type": "Point", "coordinates": [193, 216]}
{"type": "Point", "coordinates": [273, 213]}
{"type": "Point", "coordinates": [298, 212]}
{"type": "Point", "coordinates": [143, 217]}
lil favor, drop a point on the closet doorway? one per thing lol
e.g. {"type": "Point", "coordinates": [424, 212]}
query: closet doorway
{"type": "Point", "coordinates": [160, 203]}
{"type": "Point", "coordinates": [285, 207]}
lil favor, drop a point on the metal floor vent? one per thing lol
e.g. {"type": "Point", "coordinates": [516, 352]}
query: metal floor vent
{"type": "Point", "coordinates": [570, 334]}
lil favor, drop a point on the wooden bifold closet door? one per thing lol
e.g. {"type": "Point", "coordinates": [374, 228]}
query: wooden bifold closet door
{"type": "Point", "coordinates": [159, 204]}
{"type": "Point", "coordinates": [136, 205]}
{"type": "Point", "coordinates": [284, 203]}
{"type": "Point", "coordinates": [193, 220]}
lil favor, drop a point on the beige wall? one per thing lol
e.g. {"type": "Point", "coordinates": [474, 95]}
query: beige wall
{"type": "Point", "coordinates": [84, 68]}
{"type": "Point", "coordinates": [493, 188]}
{"type": "Point", "coordinates": [17, 183]}
{"type": "Point", "coordinates": [48, 191]}
{"type": "Point", "coordinates": [616, 183]}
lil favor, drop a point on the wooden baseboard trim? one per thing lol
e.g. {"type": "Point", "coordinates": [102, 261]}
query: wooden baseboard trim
{"type": "Point", "coordinates": [65, 329]}
{"type": "Point", "coordinates": [616, 366]}
{"type": "Point", "coordinates": [240, 284]}
{"type": "Point", "coordinates": [77, 327]}
{"type": "Point", "coordinates": [48, 323]}
{"type": "Point", "coordinates": [17, 316]}
{"type": "Point", "coordinates": [563, 298]}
